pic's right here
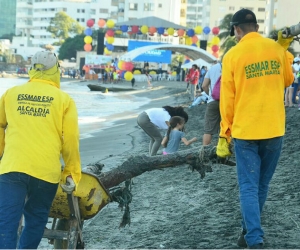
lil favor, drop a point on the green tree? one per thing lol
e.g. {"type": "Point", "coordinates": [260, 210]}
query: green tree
{"type": "Point", "coordinates": [227, 41]}
{"type": "Point", "coordinates": [71, 45]}
{"type": "Point", "coordinates": [62, 25]}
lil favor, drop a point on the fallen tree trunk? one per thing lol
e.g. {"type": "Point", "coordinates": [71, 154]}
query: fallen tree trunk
{"type": "Point", "coordinates": [200, 159]}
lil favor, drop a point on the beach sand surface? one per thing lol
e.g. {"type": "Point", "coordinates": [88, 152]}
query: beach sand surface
{"type": "Point", "coordinates": [174, 208]}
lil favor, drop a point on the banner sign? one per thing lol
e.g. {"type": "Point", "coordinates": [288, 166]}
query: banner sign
{"type": "Point", "coordinates": [97, 60]}
{"type": "Point", "coordinates": [156, 55]}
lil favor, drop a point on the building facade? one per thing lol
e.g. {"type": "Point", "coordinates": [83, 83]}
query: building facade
{"type": "Point", "coordinates": [8, 17]}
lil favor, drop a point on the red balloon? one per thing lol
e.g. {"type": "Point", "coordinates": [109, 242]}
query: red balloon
{"type": "Point", "coordinates": [135, 29]}
{"type": "Point", "coordinates": [110, 33]}
{"type": "Point", "coordinates": [128, 66]}
{"type": "Point", "coordinates": [180, 32]}
{"type": "Point", "coordinates": [215, 48]}
{"type": "Point", "coordinates": [90, 22]}
{"type": "Point", "coordinates": [87, 47]}
{"type": "Point", "coordinates": [152, 30]}
{"type": "Point", "coordinates": [215, 30]}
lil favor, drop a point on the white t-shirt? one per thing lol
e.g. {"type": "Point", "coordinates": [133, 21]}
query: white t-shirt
{"type": "Point", "coordinates": [213, 74]}
{"type": "Point", "coordinates": [159, 116]}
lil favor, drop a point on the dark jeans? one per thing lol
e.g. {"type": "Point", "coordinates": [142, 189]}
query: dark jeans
{"type": "Point", "coordinates": [256, 161]}
{"type": "Point", "coordinates": [23, 194]}
{"type": "Point", "coordinates": [295, 85]}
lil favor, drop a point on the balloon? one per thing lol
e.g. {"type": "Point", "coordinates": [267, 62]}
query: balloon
{"type": "Point", "coordinates": [215, 30]}
{"type": "Point", "coordinates": [194, 39]}
{"type": "Point", "coordinates": [101, 23]}
{"type": "Point", "coordinates": [119, 32]}
{"type": "Point", "coordinates": [90, 23]}
{"type": "Point", "coordinates": [198, 30]}
{"type": "Point", "coordinates": [122, 74]}
{"type": "Point", "coordinates": [139, 32]}
{"type": "Point", "coordinates": [110, 47]}
{"type": "Point", "coordinates": [206, 30]}
{"type": "Point", "coordinates": [88, 32]}
{"type": "Point", "coordinates": [180, 32]}
{"type": "Point", "coordinates": [128, 66]}
{"type": "Point", "coordinates": [152, 72]}
{"type": "Point", "coordinates": [124, 28]}
{"type": "Point", "coordinates": [190, 32]}
{"type": "Point", "coordinates": [215, 40]}
{"type": "Point", "coordinates": [174, 73]}
{"type": "Point", "coordinates": [170, 31]}
{"type": "Point", "coordinates": [110, 32]}
{"type": "Point", "coordinates": [144, 29]}
{"type": "Point", "coordinates": [87, 47]}
{"type": "Point", "coordinates": [120, 65]}
{"type": "Point", "coordinates": [186, 61]}
{"type": "Point", "coordinates": [128, 76]}
{"type": "Point", "coordinates": [88, 39]}
{"type": "Point", "coordinates": [137, 72]}
{"type": "Point", "coordinates": [134, 29]}
{"type": "Point", "coordinates": [194, 45]}
{"type": "Point", "coordinates": [188, 41]}
{"type": "Point", "coordinates": [106, 51]}
{"type": "Point", "coordinates": [110, 24]}
{"type": "Point", "coordinates": [215, 48]}
{"type": "Point", "coordinates": [110, 40]}
{"type": "Point", "coordinates": [152, 30]}
{"type": "Point", "coordinates": [160, 30]}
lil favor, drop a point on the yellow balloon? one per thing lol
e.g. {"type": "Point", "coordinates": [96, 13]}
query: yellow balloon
{"type": "Point", "coordinates": [174, 73]}
{"type": "Point", "coordinates": [137, 72]}
{"type": "Point", "coordinates": [152, 72]}
{"type": "Point", "coordinates": [128, 76]}
{"type": "Point", "coordinates": [110, 24]}
{"type": "Point", "coordinates": [170, 31]}
{"type": "Point", "coordinates": [110, 40]}
{"type": "Point", "coordinates": [198, 30]}
{"type": "Point", "coordinates": [106, 51]}
{"type": "Point", "coordinates": [215, 40]}
{"type": "Point", "coordinates": [88, 39]}
{"type": "Point", "coordinates": [118, 32]}
{"type": "Point", "coordinates": [144, 29]}
{"type": "Point", "coordinates": [120, 65]}
{"type": "Point", "coordinates": [188, 41]}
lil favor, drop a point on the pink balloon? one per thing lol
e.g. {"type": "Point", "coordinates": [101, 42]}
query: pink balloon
{"type": "Point", "coordinates": [180, 32]}
{"type": "Point", "coordinates": [128, 66]}
{"type": "Point", "coordinates": [90, 23]}
{"type": "Point", "coordinates": [215, 30]}
{"type": "Point", "coordinates": [215, 48]}
{"type": "Point", "coordinates": [87, 47]}
{"type": "Point", "coordinates": [134, 29]}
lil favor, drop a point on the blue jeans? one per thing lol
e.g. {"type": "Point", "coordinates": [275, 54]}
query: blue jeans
{"type": "Point", "coordinates": [295, 85]}
{"type": "Point", "coordinates": [256, 162]}
{"type": "Point", "coordinates": [23, 194]}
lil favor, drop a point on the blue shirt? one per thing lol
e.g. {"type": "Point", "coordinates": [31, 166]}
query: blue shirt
{"type": "Point", "coordinates": [174, 141]}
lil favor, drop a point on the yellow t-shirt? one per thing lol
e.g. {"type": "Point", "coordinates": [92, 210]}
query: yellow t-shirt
{"type": "Point", "coordinates": [254, 75]}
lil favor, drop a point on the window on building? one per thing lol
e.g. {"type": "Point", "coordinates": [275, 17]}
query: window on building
{"type": "Point", "coordinates": [260, 21]}
{"type": "Point", "coordinates": [231, 7]}
{"type": "Point", "coordinates": [148, 6]}
{"type": "Point", "coordinates": [182, 13]}
{"type": "Point", "coordinates": [93, 11]}
{"type": "Point", "coordinates": [78, 19]}
{"type": "Point", "coordinates": [159, 5]}
{"type": "Point", "coordinates": [78, 10]}
{"type": "Point", "coordinates": [82, 10]}
{"type": "Point", "coordinates": [65, 9]}
{"type": "Point", "coordinates": [275, 13]}
{"type": "Point", "coordinates": [261, 9]}
{"type": "Point", "coordinates": [103, 11]}
{"type": "Point", "coordinates": [133, 6]}
{"type": "Point", "coordinates": [182, 1]}
{"type": "Point", "coordinates": [82, 20]}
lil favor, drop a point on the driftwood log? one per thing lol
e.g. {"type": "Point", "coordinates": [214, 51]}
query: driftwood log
{"type": "Point", "coordinates": [200, 159]}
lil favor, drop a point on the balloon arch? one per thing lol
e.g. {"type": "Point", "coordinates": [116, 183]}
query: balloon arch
{"type": "Point", "coordinates": [190, 35]}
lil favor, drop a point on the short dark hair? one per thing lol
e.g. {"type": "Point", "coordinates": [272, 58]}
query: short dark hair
{"type": "Point", "coordinates": [247, 27]}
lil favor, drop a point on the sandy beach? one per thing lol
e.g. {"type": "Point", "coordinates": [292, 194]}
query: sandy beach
{"type": "Point", "coordinates": [174, 208]}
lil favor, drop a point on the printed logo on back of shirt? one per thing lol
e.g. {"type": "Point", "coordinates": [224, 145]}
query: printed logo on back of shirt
{"type": "Point", "coordinates": [264, 68]}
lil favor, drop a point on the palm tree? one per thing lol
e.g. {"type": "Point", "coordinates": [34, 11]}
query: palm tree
{"type": "Point", "coordinates": [227, 41]}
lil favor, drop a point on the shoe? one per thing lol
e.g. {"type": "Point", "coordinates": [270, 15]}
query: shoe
{"type": "Point", "coordinates": [257, 246]}
{"type": "Point", "coordinates": [241, 242]}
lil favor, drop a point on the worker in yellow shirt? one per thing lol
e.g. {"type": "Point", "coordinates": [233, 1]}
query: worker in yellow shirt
{"type": "Point", "coordinates": [38, 124]}
{"type": "Point", "coordinates": [255, 73]}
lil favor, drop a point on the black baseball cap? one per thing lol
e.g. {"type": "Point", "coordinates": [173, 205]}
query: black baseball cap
{"type": "Point", "coordinates": [242, 16]}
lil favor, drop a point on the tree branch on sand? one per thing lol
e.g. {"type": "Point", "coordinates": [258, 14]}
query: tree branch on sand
{"type": "Point", "coordinates": [200, 159]}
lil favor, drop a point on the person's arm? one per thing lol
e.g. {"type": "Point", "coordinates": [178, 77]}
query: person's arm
{"type": "Point", "coordinates": [287, 72]}
{"type": "Point", "coordinates": [164, 141]}
{"type": "Point", "coordinates": [70, 147]}
{"type": "Point", "coordinates": [205, 85]}
{"type": "Point", "coordinates": [188, 142]}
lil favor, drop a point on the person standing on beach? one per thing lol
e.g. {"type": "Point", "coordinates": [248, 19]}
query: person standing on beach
{"type": "Point", "coordinates": [38, 124]}
{"type": "Point", "coordinates": [253, 116]}
{"type": "Point", "coordinates": [212, 113]}
{"type": "Point", "coordinates": [151, 120]}
{"type": "Point", "coordinates": [175, 135]}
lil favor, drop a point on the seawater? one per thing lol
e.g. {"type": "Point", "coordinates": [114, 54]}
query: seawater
{"type": "Point", "coordinates": [95, 109]}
